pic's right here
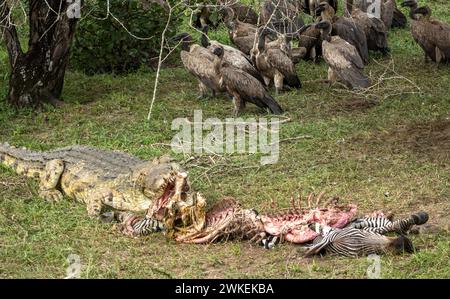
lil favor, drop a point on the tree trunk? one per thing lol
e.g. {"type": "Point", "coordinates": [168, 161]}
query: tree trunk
{"type": "Point", "coordinates": [37, 76]}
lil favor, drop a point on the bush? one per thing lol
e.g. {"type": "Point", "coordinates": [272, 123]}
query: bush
{"type": "Point", "coordinates": [102, 45]}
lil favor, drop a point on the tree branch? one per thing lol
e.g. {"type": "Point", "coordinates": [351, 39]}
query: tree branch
{"type": "Point", "coordinates": [9, 33]}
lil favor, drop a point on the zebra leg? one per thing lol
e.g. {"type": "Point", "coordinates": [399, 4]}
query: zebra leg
{"type": "Point", "coordinates": [133, 225]}
{"type": "Point", "coordinates": [270, 241]}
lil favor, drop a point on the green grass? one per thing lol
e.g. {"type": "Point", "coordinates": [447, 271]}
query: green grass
{"type": "Point", "coordinates": [389, 150]}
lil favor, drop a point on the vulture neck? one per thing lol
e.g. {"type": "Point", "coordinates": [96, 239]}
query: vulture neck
{"type": "Point", "coordinates": [217, 64]}
{"type": "Point", "coordinates": [425, 11]}
{"type": "Point", "coordinates": [186, 45]}
{"type": "Point", "coordinates": [326, 34]}
{"type": "Point", "coordinates": [204, 40]}
{"type": "Point", "coordinates": [412, 13]}
{"type": "Point", "coordinates": [262, 41]}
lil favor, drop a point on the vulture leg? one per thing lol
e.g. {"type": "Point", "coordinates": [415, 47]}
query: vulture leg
{"type": "Point", "coordinates": [312, 54]}
{"type": "Point", "coordinates": [278, 81]}
{"type": "Point", "coordinates": [203, 90]}
{"type": "Point", "coordinates": [266, 81]}
{"type": "Point", "coordinates": [332, 77]}
{"type": "Point", "coordinates": [237, 105]}
{"type": "Point", "coordinates": [439, 55]}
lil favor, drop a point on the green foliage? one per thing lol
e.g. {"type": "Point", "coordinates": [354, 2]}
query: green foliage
{"type": "Point", "coordinates": [103, 45]}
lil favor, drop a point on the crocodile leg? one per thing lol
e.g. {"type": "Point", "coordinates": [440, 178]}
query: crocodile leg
{"type": "Point", "coordinates": [50, 178]}
{"type": "Point", "coordinates": [95, 200]}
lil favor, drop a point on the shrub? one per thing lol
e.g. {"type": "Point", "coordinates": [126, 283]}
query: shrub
{"type": "Point", "coordinates": [102, 45]}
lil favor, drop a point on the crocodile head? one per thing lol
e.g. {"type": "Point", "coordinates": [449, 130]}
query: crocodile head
{"type": "Point", "coordinates": [161, 182]}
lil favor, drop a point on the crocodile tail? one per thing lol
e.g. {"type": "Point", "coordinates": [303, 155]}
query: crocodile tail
{"type": "Point", "coordinates": [22, 160]}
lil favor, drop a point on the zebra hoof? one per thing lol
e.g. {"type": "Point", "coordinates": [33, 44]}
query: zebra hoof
{"type": "Point", "coordinates": [420, 218]}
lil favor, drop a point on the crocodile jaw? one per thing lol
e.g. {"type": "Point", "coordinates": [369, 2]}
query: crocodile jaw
{"type": "Point", "coordinates": [174, 189]}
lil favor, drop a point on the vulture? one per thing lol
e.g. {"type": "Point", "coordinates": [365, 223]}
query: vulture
{"type": "Point", "coordinates": [199, 62]}
{"type": "Point", "coordinates": [389, 14]}
{"type": "Point", "coordinates": [233, 56]}
{"type": "Point", "coordinates": [202, 17]}
{"type": "Point", "coordinates": [346, 28]}
{"type": "Point", "coordinates": [309, 39]}
{"type": "Point", "coordinates": [283, 43]}
{"type": "Point", "coordinates": [433, 36]}
{"type": "Point", "coordinates": [274, 64]}
{"type": "Point", "coordinates": [232, 9]}
{"type": "Point", "coordinates": [374, 29]}
{"type": "Point", "coordinates": [309, 6]}
{"type": "Point", "coordinates": [282, 16]}
{"type": "Point", "coordinates": [399, 19]}
{"type": "Point", "coordinates": [242, 86]}
{"type": "Point", "coordinates": [344, 62]}
{"type": "Point", "coordinates": [242, 35]}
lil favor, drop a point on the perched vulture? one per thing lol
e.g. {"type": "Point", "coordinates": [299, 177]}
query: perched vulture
{"type": "Point", "coordinates": [233, 56]}
{"type": "Point", "coordinates": [283, 16]}
{"type": "Point", "coordinates": [198, 61]}
{"type": "Point", "coordinates": [344, 62]}
{"type": "Point", "coordinates": [374, 29]}
{"type": "Point", "coordinates": [309, 6]}
{"type": "Point", "coordinates": [274, 64]}
{"type": "Point", "coordinates": [234, 10]}
{"type": "Point", "coordinates": [242, 35]}
{"type": "Point", "coordinates": [309, 39]}
{"type": "Point", "coordinates": [399, 19]}
{"type": "Point", "coordinates": [389, 13]}
{"type": "Point", "coordinates": [242, 86]}
{"type": "Point", "coordinates": [346, 28]}
{"type": "Point", "coordinates": [433, 36]}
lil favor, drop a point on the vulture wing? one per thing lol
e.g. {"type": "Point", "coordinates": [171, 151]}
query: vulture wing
{"type": "Point", "coordinates": [343, 58]}
{"type": "Point", "coordinates": [238, 59]}
{"type": "Point", "coordinates": [199, 62]}
{"type": "Point", "coordinates": [280, 61]}
{"type": "Point", "coordinates": [348, 30]}
{"type": "Point", "coordinates": [248, 88]}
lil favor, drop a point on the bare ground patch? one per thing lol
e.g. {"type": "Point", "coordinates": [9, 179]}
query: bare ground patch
{"type": "Point", "coordinates": [425, 140]}
{"type": "Point", "coordinates": [352, 105]}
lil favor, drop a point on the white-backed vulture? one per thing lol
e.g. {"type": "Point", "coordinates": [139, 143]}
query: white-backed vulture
{"type": "Point", "coordinates": [432, 36]}
{"type": "Point", "coordinates": [310, 39]}
{"type": "Point", "coordinates": [346, 28]}
{"type": "Point", "coordinates": [242, 86]}
{"type": "Point", "coordinates": [344, 62]}
{"type": "Point", "coordinates": [202, 17]}
{"type": "Point", "coordinates": [389, 13]}
{"type": "Point", "coordinates": [274, 64]}
{"type": "Point", "coordinates": [283, 16]}
{"type": "Point", "coordinates": [198, 61]}
{"type": "Point", "coordinates": [242, 35]}
{"type": "Point", "coordinates": [233, 56]}
{"type": "Point", "coordinates": [309, 6]}
{"type": "Point", "coordinates": [235, 10]}
{"type": "Point", "coordinates": [374, 29]}
{"type": "Point", "coordinates": [399, 19]}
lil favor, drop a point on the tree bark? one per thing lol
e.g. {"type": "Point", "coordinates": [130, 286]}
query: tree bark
{"type": "Point", "coordinates": [37, 76]}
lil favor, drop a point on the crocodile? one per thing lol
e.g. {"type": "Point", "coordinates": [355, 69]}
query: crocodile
{"type": "Point", "coordinates": [100, 178]}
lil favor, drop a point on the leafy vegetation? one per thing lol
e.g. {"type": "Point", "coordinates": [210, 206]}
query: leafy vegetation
{"type": "Point", "coordinates": [388, 149]}
{"type": "Point", "coordinates": [123, 41]}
